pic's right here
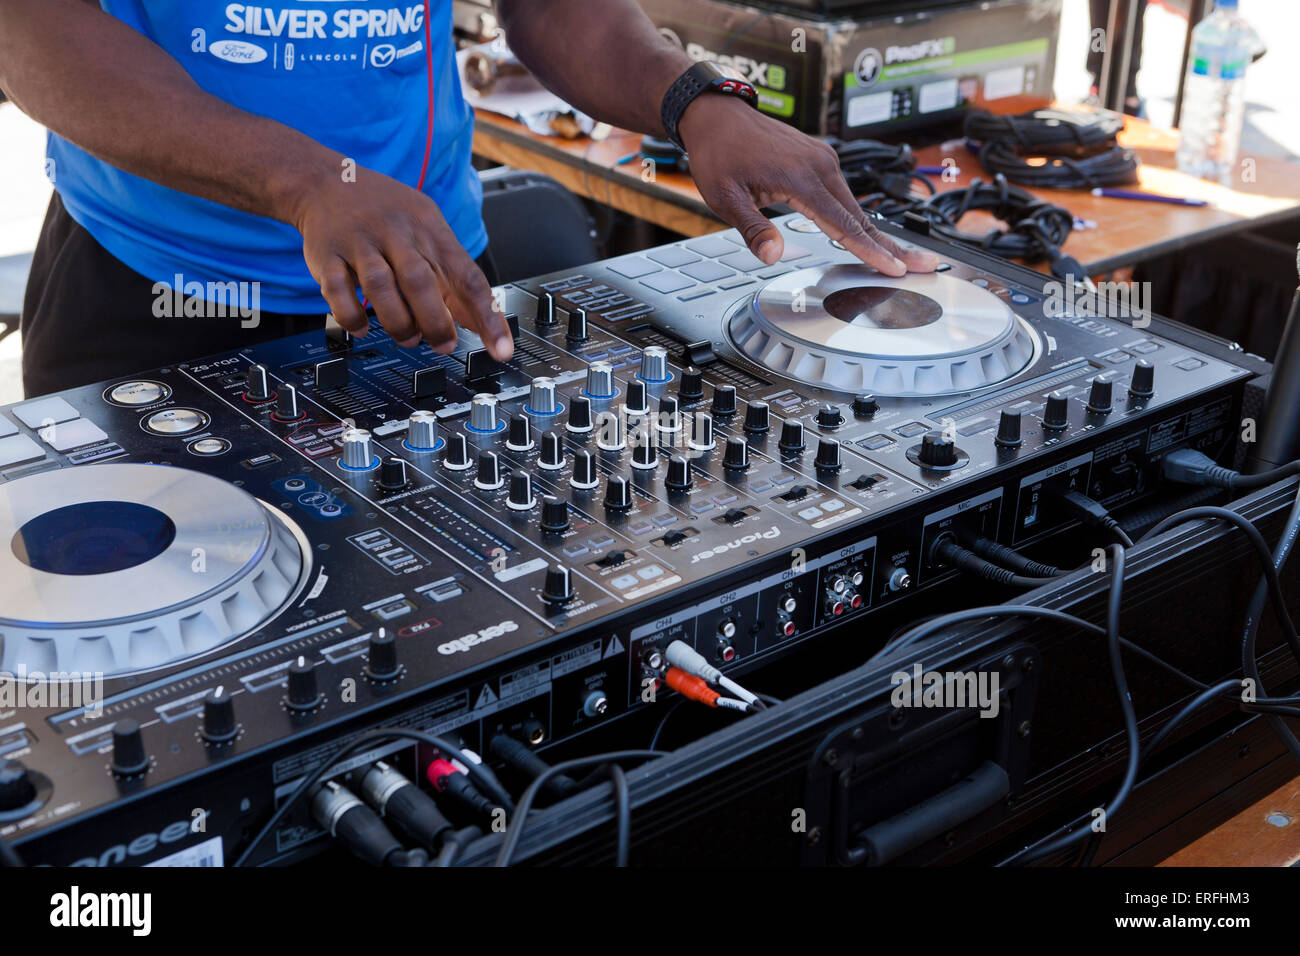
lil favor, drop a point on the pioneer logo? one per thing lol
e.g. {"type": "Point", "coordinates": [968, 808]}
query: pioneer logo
{"type": "Point", "coordinates": [144, 844]}
{"type": "Point", "coordinates": [775, 532]}
{"type": "Point", "coordinates": [942, 46]}
{"type": "Point", "coordinates": [463, 644]}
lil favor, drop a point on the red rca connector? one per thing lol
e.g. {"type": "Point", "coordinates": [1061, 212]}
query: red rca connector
{"type": "Point", "coordinates": [691, 687]}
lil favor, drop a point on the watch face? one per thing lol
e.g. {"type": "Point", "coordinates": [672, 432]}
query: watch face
{"type": "Point", "coordinates": [728, 71]}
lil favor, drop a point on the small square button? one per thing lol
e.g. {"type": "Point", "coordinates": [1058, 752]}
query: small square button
{"type": "Point", "coordinates": [624, 581]}
{"type": "Point", "coordinates": [707, 271]}
{"type": "Point", "coordinates": [650, 572]}
{"type": "Point", "coordinates": [808, 514]}
{"type": "Point", "coordinates": [17, 450]}
{"type": "Point", "coordinates": [672, 257]}
{"type": "Point", "coordinates": [910, 430]}
{"type": "Point", "coordinates": [633, 267]}
{"type": "Point", "coordinates": [1189, 364]}
{"type": "Point", "coordinates": [73, 434]}
{"type": "Point", "coordinates": [668, 282]}
{"type": "Point", "coordinates": [7, 427]}
{"type": "Point", "coordinates": [711, 246]}
{"type": "Point", "coordinates": [743, 261]}
{"type": "Point", "coordinates": [43, 411]}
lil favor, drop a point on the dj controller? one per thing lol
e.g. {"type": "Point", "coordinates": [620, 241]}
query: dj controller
{"type": "Point", "coordinates": [264, 554]}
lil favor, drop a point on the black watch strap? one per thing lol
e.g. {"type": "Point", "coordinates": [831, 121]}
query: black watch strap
{"type": "Point", "coordinates": [700, 78]}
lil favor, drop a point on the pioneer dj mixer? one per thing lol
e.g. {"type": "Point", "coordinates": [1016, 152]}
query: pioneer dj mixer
{"type": "Point", "coordinates": [263, 554]}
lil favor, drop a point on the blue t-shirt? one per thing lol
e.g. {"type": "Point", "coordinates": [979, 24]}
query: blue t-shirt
{"type": "Point", "coordinates": [350, 74]}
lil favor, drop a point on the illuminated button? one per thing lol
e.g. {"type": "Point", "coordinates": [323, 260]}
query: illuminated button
{"type": "Point", "coordinates": [139, 393]}
{"type": "Point", "coordinates": [176, 421]}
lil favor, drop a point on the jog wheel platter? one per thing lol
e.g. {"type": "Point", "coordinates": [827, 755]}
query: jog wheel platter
{"type": "Point", "coordinates": [117, 568]}
{"type": "Point", "coordinates": [849, 329]}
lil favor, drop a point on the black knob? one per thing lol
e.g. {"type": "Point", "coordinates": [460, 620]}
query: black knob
{"type": "Point", "coordinates": [579, 414]}
{"type": "Point", "coordinates": [555, 514]}
{"type": "Point", "coordinates": [129, 756]}
{"type": "Point", "coordinates": [679, 473]}
{"type": "Point", "coordinates": [756, 417]}
{"type": "Point", "coordinates": [521, 492]}
{"type": "Point", "coordinates": [669, 414]}
{"type": "Point", "coordinates": [864, 406]}
{"type": "Point", "coordinates": [546, 309]}
{"type": "Point", "coordinates": [520, 435]}
{"type": "Point", "coordinates": [489, 471]}
{"type": "Point", "coordinates": [259, 384]}
{"type": "Point", "coordinates": [618, 496]}
{"type": "Point", "coordinates": [645, 454]}
{"type": "Point", "coordinates": [1056, 413]}
{"type": "Point", "coordinates": [1143, 384]}
{"type": "Point", "coordinates": [552, 457]}
{"type": "Point", "coordinates": [577, 331]}
{"type": "Point", "coordinates": [828, 455]}
{"type": "Point", "coordinates": [829, 416]}
{"type": "Point", "coordinates": [701, 431]}
{"type": "Point", "coordinates": [303, 691]}
{"type": "Point", "coordinates": [1099, 396]}
{"type": "Point", "coordinates": [1008, 429]}
{"type": "Point", "coordinates": [691, 386]}
{"type": "Point", "coordinates": [219, 724]}
{"type": "Point", "coordinates": [584, 470]}
{"type": "Point", "coordinates": [392, 474]}
{"type": "Point", "coordinates": [724, 400]}
{"type": "Point", "coordinates": [791, 436]}
{"type": "Point", "coordinates": [558, 586]}
{"type": "Point", "coordinates": [16, 786]}
{"type": "Point", "coordinates": [637, 403]}
{"type": "Point", "coordinates": [381, 656]}
{"type": "Point", "coordinates": [457, 454]}
{"type": "Point", "coordinates": [286, 404]}
{"type": "Point", "coordinates": [736, 455]}
{"type": "Point", "coordinates": [937, 450]}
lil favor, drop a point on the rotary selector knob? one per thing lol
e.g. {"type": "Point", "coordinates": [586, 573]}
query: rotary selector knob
{"type": "Point", "coordinates": [670, 418]}
{"type": "Point", "coordinates": [757, 417]}
{"type": "Point", "coordinates": [644, 453]}
{"type": "Point", "coordinates": [864, 406]}
{"type": "Point", "coordinates": [483, 413]}
{"type": "Point", "coordinates": [555, 514]}
{"type": "Point", "coordinates": [1008, 429]}
{"type": "Point", "coordinates": [724, 400]}
{"type": "Point", "coordinates": [584, 470]}
{"type": "Point", "coordinates": [219, 725]}
{"type": "Point", "coordinates": [1100, 396]}
{"type": "Point", "coordinates": [638, 402]}
{"type": "Point", "coordinates": [286, 404]}
{"type": "Point", "coordinates": [691, 386]}
{"type": "Point", "coordinates": [422, 431]}
{"type": "Point", "coordinates": [654, 364]}
{"type": "Point", "coordinates": [1143, 383]}
{"type": "Point", "coordinates": [457, 456]}
{"type": "Point", "coordinates": [557, 588]}
{"type": "Point", "coordinates": [736, 455]}
{"type": "Point", "coordinates": [392, 474]}
{"type": "Point", "coordinates": [381, 657]}
{"type": "Point", "coordinates": [521, 492]}
{"type": "Point", "coordinates": [129, 756]}
{"type": "Point", "coordinates": [791, 437]}
{"type": "Point", "coordinates": [577, 331]}
{"type": "Point", "coordinates": [545, 316]}
{"type": "Point", "coordinates": [829, 416]}
{"type": "Point", "coordinates": [702, 431]}
{"type": "Point", "coordinates": [1056, 413]}
{"type": "Point", "coordinates": [303, 691]}
{"type": "Point", "coordinates": [520, 435]}
{"type": "Point", "coordinates": [258, 384]}
{"type": "Point", "coordinates": [937, 450]}
{"type": "Point", "coordinates": [600, 380]}
{"type": "Point", "coordinates": [679, 473]}
{"type": "Point", "coordinates": [828, 455]}
{"type": "Point", "coordinates": [552, 457]}
{"type": "Point", "coordinates": [358, 450]}
{"type": "Point", "coordinates": [489, 471]}
{"type": "Point", "coordinates": [618, 496]}
{"type": "Point", "coordinates": [541, 396]}
{"type": "Point", "coordinates": [17, 788]}
{"type": "Point", "coordinates": [609, 434]}
{"type": "Point", "coordinates": [579, 415]}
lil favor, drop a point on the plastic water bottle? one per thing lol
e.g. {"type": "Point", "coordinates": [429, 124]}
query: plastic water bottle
{"type": "Point", "coordinates": [1214, 94]}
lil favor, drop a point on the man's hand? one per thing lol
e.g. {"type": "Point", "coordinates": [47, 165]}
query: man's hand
{"type": "Point", "coordinates": [742, 160]}
{"type": "Point", "coordinates": [392, 241]}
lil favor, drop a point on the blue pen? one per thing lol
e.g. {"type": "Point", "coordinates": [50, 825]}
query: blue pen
{"type": "Point", "coordinates": [1147, 197]}
{"type": "Point", "coordinates": [937, 170]}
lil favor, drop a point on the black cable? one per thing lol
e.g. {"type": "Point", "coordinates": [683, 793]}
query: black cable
{"type": "Point", "coordinates": [663, 722]}
{"type": "Point", "coordinates": [990, 550]}
{"type": "Point", "coordinates": [514, 832]}
{"type": "Point", "coordinates": [1094, 514]}
{"type": "Point", "coordinates": [622, 813]}
{"type": "Point", "coordinates": [950, 552]}
{"type": "Point", "coordinates": [8, 855]}
{"type": "Point", "coordinates": [487, 782]}
{"type": "Point", "coordinates": [1116, 166]}
{"type": "Point", "coordinates": [1051, 130]}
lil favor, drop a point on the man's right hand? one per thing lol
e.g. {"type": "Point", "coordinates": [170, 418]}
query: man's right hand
{"type": "Point", "coordinates": [393, 242]}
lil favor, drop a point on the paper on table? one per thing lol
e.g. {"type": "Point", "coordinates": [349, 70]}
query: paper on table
{"type": "Point", "coordinates": [524, 99]}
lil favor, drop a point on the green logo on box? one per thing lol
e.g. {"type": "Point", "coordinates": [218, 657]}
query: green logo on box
{"type": "Point", "coordinates": [776, 76]}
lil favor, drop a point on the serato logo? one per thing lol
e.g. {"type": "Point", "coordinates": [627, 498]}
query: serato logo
{"type": "Point", "coordinates": [868, 65]}
{"type": "Point", "coordinates": [738, 543]}
{"type": "Point", "coordinates": [463, 644]}
{"type": "Point", "coordinates": [940, 46]}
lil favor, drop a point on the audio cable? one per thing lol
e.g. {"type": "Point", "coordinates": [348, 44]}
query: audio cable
{"type": "Point", "coordinates": [685, 658]}
{"type": "Point", "coordinates": [1093, 514]}
{"type": "Point", "coordinates": [1051, 130]}
{"type": "Point", "coordinates": [990, 550]}
{"type": "Point", "coordinates": [1054, 148]}
{"type": "Point", "coordinates": [1116, 166]}
{"type": "Point", "coordinates": [947, 550]}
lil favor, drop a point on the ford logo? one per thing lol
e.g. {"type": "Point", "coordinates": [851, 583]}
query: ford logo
{"type": "Point", "coordinates": [238, 51]}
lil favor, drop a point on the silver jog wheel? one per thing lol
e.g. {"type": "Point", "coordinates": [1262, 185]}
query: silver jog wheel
{"type": "Point", "coordinates": [117, 568]}
{"type": "Point", "coordinates": [847, 328]}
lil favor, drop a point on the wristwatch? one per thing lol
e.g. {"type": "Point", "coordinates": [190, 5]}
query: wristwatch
{"type": "Point", "coordinates": [701, 78]}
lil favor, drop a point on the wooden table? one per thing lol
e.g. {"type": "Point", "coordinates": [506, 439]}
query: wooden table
{"type": "Point", "coordinates": [1127, 232]}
